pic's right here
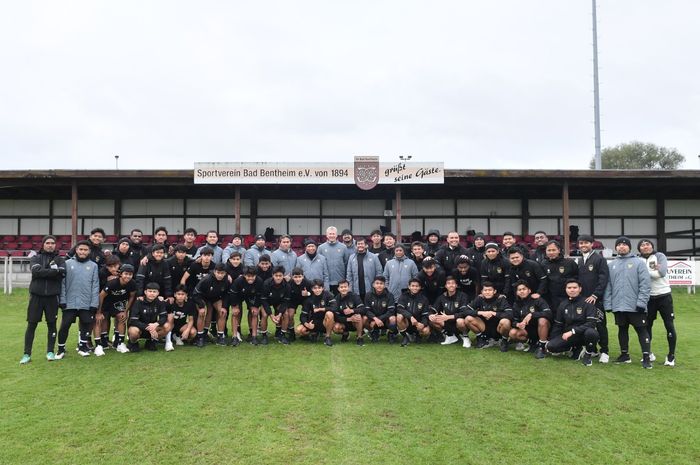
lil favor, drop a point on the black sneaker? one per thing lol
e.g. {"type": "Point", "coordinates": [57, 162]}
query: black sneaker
{"type": "Point", "coordinates": [235, 342]}
{"type": "Point", "coordinates": [249, 337]}
{"type": "Point", "coordinates": [327, 341]}
{"type": "Point", "coordinates": [392, 338]}
{"type": "Point", "coordinates": [540, 353]}
{"type": "Point", "coordinates": [291, 336]}
{"type": "Point", "coordinates": [254, 340]}
{"type": "Point", "coordinates": [405, 340]}
{"type": "Point", "coordinates": [345, 337]}
{"type": "Point", "coordinates": [587, 359]}
{"type": "Point", "coordinates": [200, 341]}
{"type": "Point", "coordinates": [374, 335]}
{"type": "Point", "coordinates": [264, 340]}
{"type": "Point", "coordinates": [221, 340]}
{"type": "Point", "coordinates": [576, 353]}
{"type": "Point", "coordinates": [623, 358]}
{"type": "Point", "coordinates": [532, 346]}
{"type": "Point", "coordinates": [283, 340]}
{"type": "Point", "coordinates": [151, 345]}
{"type": "Point", "coordinates": [503, 345]}
{"type": "Point", "coordinates": [313, 337]}
{"type": "Point", "coordinates": [278, 332]}
{"type": "Point", "coordinates": [646, 362]}
{"type": "Point", "coordinates": [133, 347]}
{"type": "Point", "coordinates": [482, 341]}
{"type": "Point", "coordinates": [360, 341]}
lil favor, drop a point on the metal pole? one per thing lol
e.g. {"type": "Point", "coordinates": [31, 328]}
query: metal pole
{"type": "Point", "coordinates": [237, 208]}
{"type": "Point", "coordinates": [565, 219]}
{"type": "Point", "coordinates": [398, 213]}
{"type": "Point", "coordinates": [9, 276]}
{"type": "Point", "coordinates": [4, 275]}
{"type": "Point", "coordinates": [74, 213]}
{"type": "Point", "coordinates": [596, 93]}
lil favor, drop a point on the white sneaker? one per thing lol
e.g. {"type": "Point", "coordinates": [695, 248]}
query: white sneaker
{"type": "Point", "coordinates": [604, 358]}
{"type": "Point", "coordinates": [121, 348]}
{"type": "Point", "coordinates": [85, 353]}
{"type": "Point", "coordinates": [99, 351]}
{"type": "Point", "coordinates": [466, 342]}
{"type": "Point", "coordinates": [670, 363]}
{"type": "Point", "coordinates": [449, 340]}
{"type": "Point", "coordinates": [178, 341]}
{"type": "Point", "coordinates": [520, 346]}
{"type": "Point", "coordinates": [169, 346]}
{"type": "Point", "coordinates": [60, 355]}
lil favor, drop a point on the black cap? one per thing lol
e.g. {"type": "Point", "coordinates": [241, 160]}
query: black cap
{"type": "Point", "coordinates": [585, 238]}
{"type": "Point", "coordinates": [491, 245]}
{"type": "Point", "coordinates": [479, 235]}
{"type": "Point", "coordinates": [346, 231]}
{"type": "Point", "coordinates": [623, 240]}
{"type": "Point", "coordinates": [152, 285]}
{"type": "Point", "coordinates": [309, 241]}
{"type": "Point", "coordinates": [259, 237]}
{"type": "Point", "coordinates": [46, 238]}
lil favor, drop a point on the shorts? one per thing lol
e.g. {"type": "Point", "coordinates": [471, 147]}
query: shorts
{"type": "Point", "coordinates": [111, 312]}
{"type": "Point", "coordinates": [663, 305]}
{"type": "Point", "coordinates": [491, 327]}
{"type": "Point", "coordinates": [42, 306]}
{"type": "Point", "coordinates": [630, 318]}
{"type": "Point", "coordinates": [384, 319]}
{"type": "Point", "coordinates": [179, 324]}
{"type": "Point", "coordinates": [85, 316]}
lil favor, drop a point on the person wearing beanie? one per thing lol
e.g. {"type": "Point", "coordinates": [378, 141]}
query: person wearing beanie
{"type": "Point", "coordinates": [148, 319]}
{"type": "Point", "coordinates": [494, 267]}
{"type": "Point", "coordinates": [432, 242]}
{"type": "Point", "coordinates": [660, 299]}
{"type": "Point", "coordinates": [48, 270]}
{"type": "Point", "coordinates": [627, 296]}
{"type": "Point", "coordinates": [399, 271]}
{"type": "Point", "coordinates": [252, 255]}
{"type": "Point", "coordinates": [476, 251]}
{"type": "Point", "coordinates": [313, 264]}
{"type": "Point", "coordinates": [125, 253]}
{"type": "Point", "coordinates": [80, 290]}
{"type": "Point", "coordinates": [116, 298]}
{"type": "Point", "coordinates": [236, 245]}
{"type": "Point", "coordinates": [363, 266]}
{"type": "Point", "coordinates": [593, 274]}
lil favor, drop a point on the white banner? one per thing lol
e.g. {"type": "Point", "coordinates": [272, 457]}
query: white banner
{"type": "Point", "coordinates": [681, 272]}
{"type": "Point", "coordinates": [314, 173]}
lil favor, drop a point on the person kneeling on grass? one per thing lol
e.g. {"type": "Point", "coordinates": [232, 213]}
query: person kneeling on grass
{"type": "Point", "coordinates": [449, 305]}
{"type": "Point", "coordinates": [381, 310]}
{"type": "Point", "coordinates": [412, 311]}
{"type": "Point", "coordinates": [183, 311]}
{"type": "Point", "coordinates": [532, 319]}
{"type": "Point", "coordinates": [275, 299]}
{"type": "Point", "coordinates": [488, 315]}
{"type": "Point", "coordinates": [207, 296]}
{"type": "Point", "coordinates": [148, 319]}
{"type": "Point", "coordinates": [574, 324]}
{"type": "Point", "coordinates": [116, 299]}
{"type": "Point", "coordinates": [317, 314]}
{"type": "Point", "coordinates": [348, 313]}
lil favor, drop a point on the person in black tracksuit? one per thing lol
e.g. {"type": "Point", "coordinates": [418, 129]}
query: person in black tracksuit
{"type": "Point", "coordinates": [558, 270]}
{"type": "Point", "coordinates": [380, 309]}
{"type": "Point", "coordinates": [147, 319]}
{"type": "Point", "coordinates": [532, 319]}
{"type": "Point", "coordinates": [489, 316]}
{"type": "Point", "coordinates": [447, 256]}
{"type": "Point", "coordinates": [179, 263]}
{"type": "Point", "coordinates": [476, 251]}
{"type": "Point", "coordinates": [375, 245]}
{"type": "Point", "coordinates": [97, 237]}
{"type": "Point", "coordinates": [208, 296]}
{"type": "Point", "coordinates": [248, 289]}
{"type": "Point", "coordinates": [155, 271]}
{"type": "Point", "coordinates": [494, 268]}
{"type": "Point", "coordinates": [388, 251]}
{"type": "Point", "coordinates": [317, 313]}
{"type": "Point", "coordinates": [184, 314]}
{"type": "Point", "coordinates": [445, 310]}
{"type": "Point", "coordinates": [468, 279]}
{"type": "Point", "coordinates": [412, 312]}
{"type": "Point", "coordinates": [48, 270]}
{"type": "Point", "coordinates": [198, 269]}
{"type": "Point", "coordinates": [275, 301]}
{"type": "Point", "coordinates": [527, 270]}
{"type": "Point", "coordinates": [432, 279]}
{"type": "Point", "coordinates": [348, 313]}
{"type": "Point", "coordinates": [432, 243]}
{"type": "Point", "coordinates": [593, 274]}
{"type": "Point", "coordinates": [574, 324]}
{"type": "Point", "coordinates": [123, 250]}
{"type": "Point", "coordinates": [299, 291]}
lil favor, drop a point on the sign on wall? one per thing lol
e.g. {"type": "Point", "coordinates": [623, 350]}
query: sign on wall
{"type": "Point", "coordinates": [365, 172]}
{"type": "Point", "coordinates": [681, 272]}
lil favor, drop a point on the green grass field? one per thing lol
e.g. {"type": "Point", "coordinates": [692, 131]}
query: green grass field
{"type": "Point", "coordinates": [378, 404]}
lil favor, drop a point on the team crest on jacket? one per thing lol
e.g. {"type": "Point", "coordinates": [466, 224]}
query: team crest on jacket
{"type": "Point", "coordinates": [383, 304]}
{"type": "Point", "coordinates": [420, 306]}
{"type": "Point", "coordinates": [499, 270]}
{"type": "Point", "coordinates": [561, 270]}
{"type": "Point", "coordinates": [579, 310]}
{"type": "Point", "coordinates": [527, 273]}
{"type": "Point", "coordinates": [590, 267]}
{"type": "Point", "coordinates": [532, 309]}
{"type": "Point", "coordinates": [366, 172]}
{"type": "Point", "coordinates": [629, 265]}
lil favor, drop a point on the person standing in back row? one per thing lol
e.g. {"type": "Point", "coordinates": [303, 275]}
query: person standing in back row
{"type": "Point", "coordinates": [336, 258]}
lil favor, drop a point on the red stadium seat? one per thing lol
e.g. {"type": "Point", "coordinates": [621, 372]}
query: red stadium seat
{"type": "Point", "coordinates": [112, 239]}
{"type": "Point", "coordinates": [26, 246]}
{"type": "Point", "coordinates": [17, 253]}
{"type": "Point", "coordinates": [4, 253]}
{"type": "Point", "coordinates": [11, 246]}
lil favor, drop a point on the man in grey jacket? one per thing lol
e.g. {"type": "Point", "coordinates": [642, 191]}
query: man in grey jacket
{"type": "Point", "coordinates": [252, 255]}
{"type": "Point", "coordinates": [627, 295]}
{"type": "Point", "coordinates": [284, 256]}
{"type": "Point", "coordinates": [236, 245]}
{"type": "Point", "coordinates": [80, 292]}
{"type": "Point", "coordinates": [313, 264]}
{"type": "Point", "coordinates": [399, 271]}
{"type": "Point", "coordinates": [363, 267]}
{"type": "Point", "coordinates": [336, 259]}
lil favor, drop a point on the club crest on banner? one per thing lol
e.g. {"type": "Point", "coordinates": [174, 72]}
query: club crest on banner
{"type": "Point", "coordinates": [366, 172]}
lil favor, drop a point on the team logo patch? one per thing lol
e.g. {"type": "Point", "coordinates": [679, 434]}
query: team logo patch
{"type": "Point", "coordinates": [323, 303]}
{"type": "Point", "coordinates": [366, 172]}
{"type": "Point", "coordinates": [629, 265]}
{"type": "Point", "coordinates": [561, 270]}
{"type": "Point", "coordinates": [383, 304]}
{"type": "Point", "coordinates": [532, 309]}
{"type": "Point", "coordinates": [579, 310]}
{"type": "Point", "coordinates": [528, 274]}
{"type": "Point", "coordinates": [350, 305]}
{"type": "Point", "coordinates": [499, 270]}
{"type": "Point", "coordinates": [590, 267]}
{"type": "Point", "coordinates": [420, 306]}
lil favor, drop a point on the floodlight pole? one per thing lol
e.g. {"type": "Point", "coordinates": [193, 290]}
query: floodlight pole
{"type": "Point", "coordinates": [596, 92]}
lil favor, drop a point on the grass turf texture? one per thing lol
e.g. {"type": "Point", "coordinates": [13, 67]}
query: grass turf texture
{"type": "Point", "coordinates": [378, 404]}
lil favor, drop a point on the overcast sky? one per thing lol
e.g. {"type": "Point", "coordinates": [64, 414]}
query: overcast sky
{"type": "Point", "coordinates": [476, 84]}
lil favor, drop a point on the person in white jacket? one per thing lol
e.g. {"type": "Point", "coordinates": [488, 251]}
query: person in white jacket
{"type": "Point", "coordinates": [660, 299]}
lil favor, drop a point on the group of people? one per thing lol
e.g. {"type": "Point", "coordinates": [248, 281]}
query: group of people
{"type": "Point", "coordinates": [539, 300]}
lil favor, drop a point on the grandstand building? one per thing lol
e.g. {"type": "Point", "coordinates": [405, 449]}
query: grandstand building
{"type": "Point", "coordinates": [662, 205]}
